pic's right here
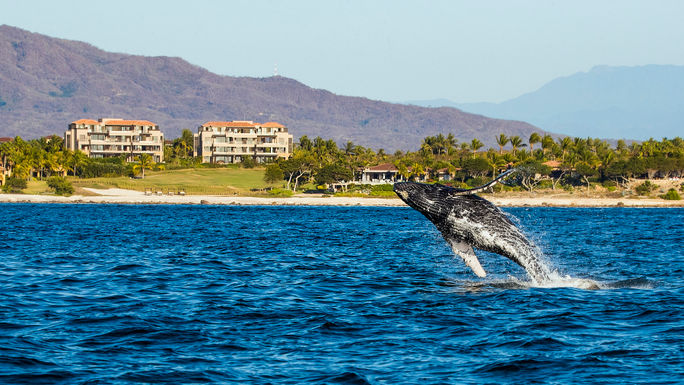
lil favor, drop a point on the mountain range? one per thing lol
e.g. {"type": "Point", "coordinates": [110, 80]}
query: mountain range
{"type": "Point", "coordinates": [46, 83]}
{"type": "Point", "coordinates": [607, 102]}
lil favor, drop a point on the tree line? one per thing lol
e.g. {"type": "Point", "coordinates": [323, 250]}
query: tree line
{"type": "Point", "coordinates": [562, 161]}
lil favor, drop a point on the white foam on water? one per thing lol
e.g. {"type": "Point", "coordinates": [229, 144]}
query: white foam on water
{"type": "Point", "coordinates": [557, 280]}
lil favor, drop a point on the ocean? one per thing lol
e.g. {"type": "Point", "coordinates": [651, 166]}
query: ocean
{"type": "Point", "coordinates": [119, 294]}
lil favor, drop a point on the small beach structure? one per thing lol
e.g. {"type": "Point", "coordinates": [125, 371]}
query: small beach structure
{"type": "Point", "coordinates": [381, 174]}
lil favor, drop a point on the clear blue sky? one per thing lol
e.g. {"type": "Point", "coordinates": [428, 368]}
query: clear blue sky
{"type": "Point", "coordinates": [466, 51]}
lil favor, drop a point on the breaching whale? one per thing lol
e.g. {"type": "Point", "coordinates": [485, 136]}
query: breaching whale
{"type": "Point", "coordinates": [468, 221]}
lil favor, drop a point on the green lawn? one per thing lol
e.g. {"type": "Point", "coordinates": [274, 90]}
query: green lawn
{"type": "Point", "coordinates": [37, 187]}
{"type": "Point", "coordinates": [211, 181]}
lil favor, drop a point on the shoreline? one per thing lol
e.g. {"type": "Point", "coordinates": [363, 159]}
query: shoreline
{"type": "Point", "coordinates": [120, 196]}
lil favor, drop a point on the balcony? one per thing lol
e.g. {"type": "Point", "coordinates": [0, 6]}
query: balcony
{"type": "Point", "coordinates": [239, 135]}
{"type": "Point", "coordinates": [123, 133]}
{"type": "Point", "coordinates": [270, 145]}
{"type": "Point", "coordinates": [146, 143]}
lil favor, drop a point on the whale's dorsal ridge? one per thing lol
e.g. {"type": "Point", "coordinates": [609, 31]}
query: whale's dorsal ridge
{"type": "Point", "coordinates": [465, 251]}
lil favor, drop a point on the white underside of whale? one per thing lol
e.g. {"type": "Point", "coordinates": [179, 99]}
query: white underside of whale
{"type": "Point", "coordinates": [466, 252]}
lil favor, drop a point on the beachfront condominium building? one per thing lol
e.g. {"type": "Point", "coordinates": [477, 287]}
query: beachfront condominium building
{"type": "Point", "coordinates": [104, 138]}
{"type": "Point", "coordinates": [231, 142]}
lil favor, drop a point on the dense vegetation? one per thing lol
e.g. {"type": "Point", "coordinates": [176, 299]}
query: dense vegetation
{"type": "Point", "coordinates": [546, 163]}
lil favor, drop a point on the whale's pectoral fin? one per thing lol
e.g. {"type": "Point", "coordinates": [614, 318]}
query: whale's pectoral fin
{"type": "Point", "coordinates": [466, 252]}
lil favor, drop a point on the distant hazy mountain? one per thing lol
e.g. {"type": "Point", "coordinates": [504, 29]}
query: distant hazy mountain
{"type": "Point", "coordinates": [45, 83]}
{"type": "Point", "coordinates": [607, 102]}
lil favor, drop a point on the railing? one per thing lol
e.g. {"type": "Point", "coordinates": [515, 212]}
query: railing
{"type": "Point", "coordinates": [123, 133]}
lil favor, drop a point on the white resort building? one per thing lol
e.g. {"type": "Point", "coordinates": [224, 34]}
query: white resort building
{"type": "Point", "coordinates": [104, 138]}
{"type": "Point", "coordinates": [231, 142]}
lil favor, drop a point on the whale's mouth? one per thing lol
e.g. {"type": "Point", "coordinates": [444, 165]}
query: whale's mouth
{"type": "Point", "coordinates": [416, 195]}
{"type": "Point", "coordinates": [403, 195]}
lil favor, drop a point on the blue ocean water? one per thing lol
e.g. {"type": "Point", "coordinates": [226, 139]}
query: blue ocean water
{"type": "Point", "coordinates": [118, 294]}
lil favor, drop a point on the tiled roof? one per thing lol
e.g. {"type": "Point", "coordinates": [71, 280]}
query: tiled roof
{"type": "Point", "coordinates": [116, 122]}
{"type": "Point", "coordinates": [552, 163]}
{"type": "Point", "coordinates": [230, 124]}
{"type": "Point", "coordinates": [85, 121]}
{"type": "Point", "coordinates": [119, 122]}
{"type": "Point", "coordinates": [383, 167]}
{"type": "Point", "coordinates": [272, 125]}
{"type": "Point", "coordinates": [5, 139]}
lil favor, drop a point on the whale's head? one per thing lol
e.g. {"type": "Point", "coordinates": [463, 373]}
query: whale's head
{"type": "Point", "coordinates": [433, 200]}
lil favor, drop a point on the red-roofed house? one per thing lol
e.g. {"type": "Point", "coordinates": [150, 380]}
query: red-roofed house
{"type": "Point", "coordinates": [381, 174]}
{"type": "Point", "coordinates": [104, 138]}
{"type": "Point", "coordinates": [231, 142]}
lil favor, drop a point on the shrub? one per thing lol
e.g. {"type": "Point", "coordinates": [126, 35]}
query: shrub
{"type": "Point", "coordinates": [273, 173]}
{"type": "Point", "coordinates": [14, 185]}
{"type": "Point", "coordinates": [383, 194]}
{"type": "Point", "coordinates": [382, 187]}
{"type": "Point", "coordinates": [477, 181]}
{"type": "Point", "coordinates": [545, 184]}
{"type": "Point", "coordinates": [248, 162]}
{"type": "Point", "coordinates": [681, 187]}
{"type": "Point", "coordinates": [60, 185]}
{"type": "Point", "coordinates": [671, 195]}
{"type": "Point", "coordinates": [645, 188]}
{"type": "Point", "coordinates": [280, 192]}
{"type": "Point", "coordinates": [102, 169]}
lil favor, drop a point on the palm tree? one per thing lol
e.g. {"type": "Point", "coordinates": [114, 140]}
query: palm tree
{"type": "Point", "coordinates": [403, 171]}
{"type": "Point", "coordinates": [497, 164]}
{"type": "Point", "coordinates": [523, 155]}
{"type": "Point", "coordinates": [450, 142]}
{"type": "Point", "coordinates": [475, 145]}
{"type": "Point", "coordinates": [349, 148]}
{"type": "Point", "coordinates": [501, 140]}
{"type": "Point", "coordinates": [305, 143]}
{"type": "Point", "coordinates": [144, 161]}
{"type": "Point", "coordinates": [76, 159]}
{"type": "Point", "coordinates": [428, 145]}
{"type": "Point", "coordinates": [183, 149]}
{"type": "Point", "coordinates": [381, 154]}
{"type": "Point", "coordinates": [534, 138]}
{"type": "Point", "coordinates": [547, 143]}
{"type": "Point", "coordinates": [426, 149]}
{"type": "Point", "coordinates": [565, 144]}
{"type": "Point", "coordinates": [54, 161]}
{"type": "Point", "coordinates": [515, 142]}
{"type": "Point", "coordinates": [440, 144]}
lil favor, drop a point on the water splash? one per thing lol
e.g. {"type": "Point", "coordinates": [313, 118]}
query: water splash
{"type": "Point", "coordinates": [556, 281]}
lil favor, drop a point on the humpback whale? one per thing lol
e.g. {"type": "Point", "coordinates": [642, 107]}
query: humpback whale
{"type": "Point", "coordinates": [468, 221]}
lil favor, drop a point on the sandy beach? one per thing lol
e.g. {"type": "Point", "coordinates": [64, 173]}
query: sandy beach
{"type": "Point", "coordinates": [120, 196]}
